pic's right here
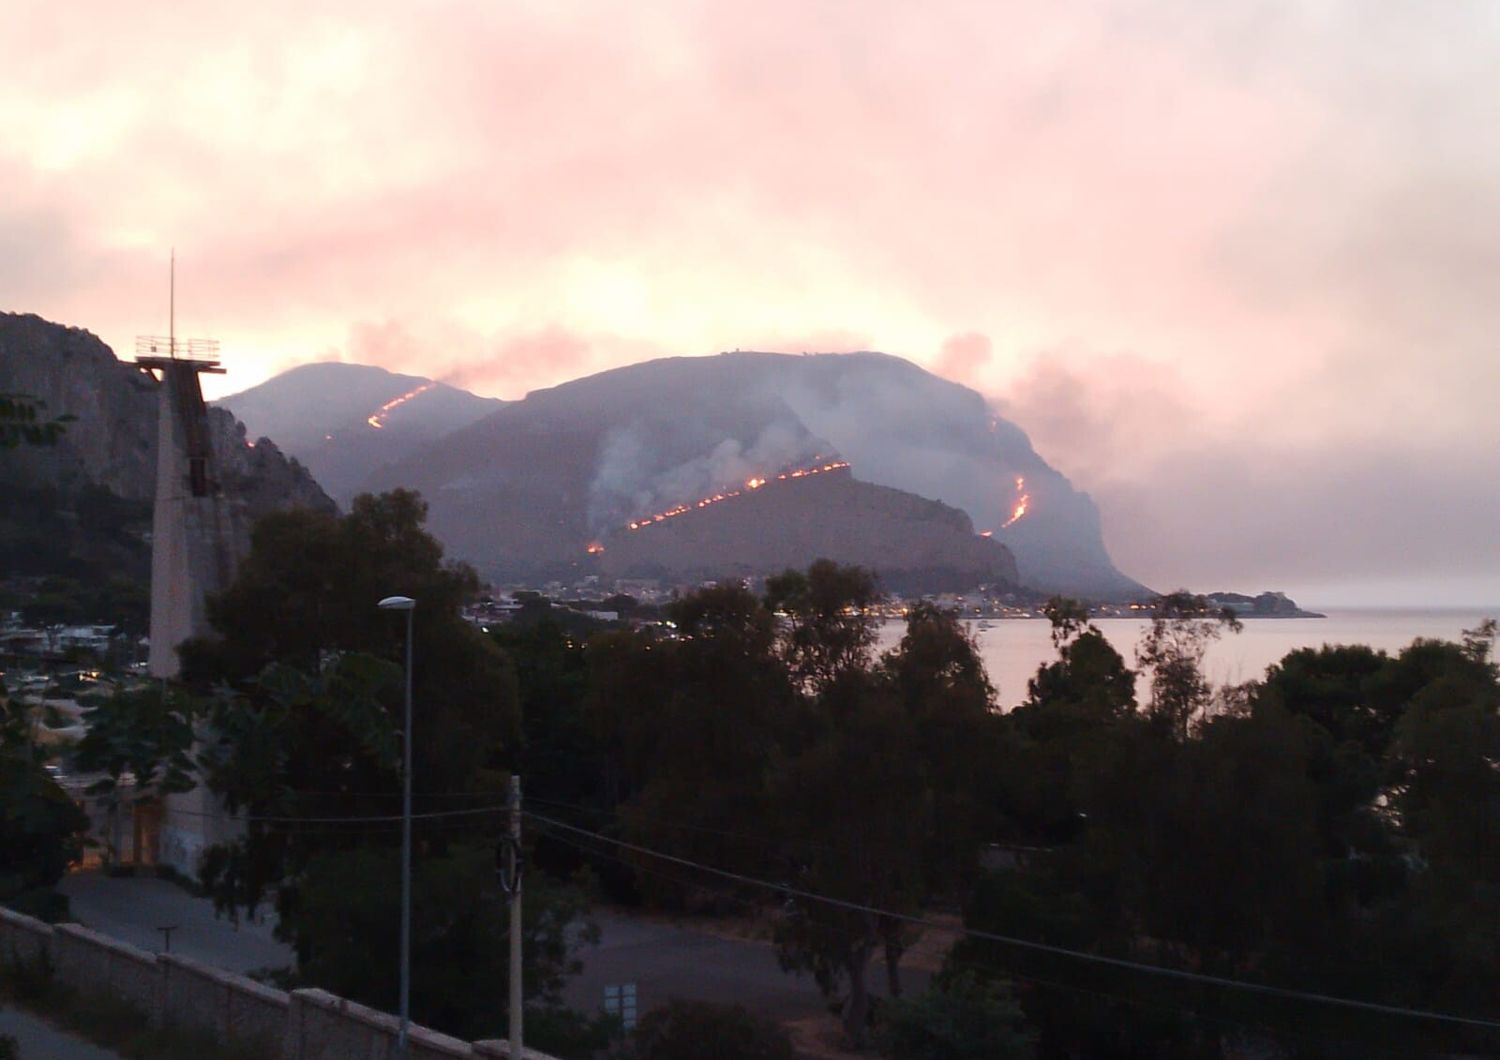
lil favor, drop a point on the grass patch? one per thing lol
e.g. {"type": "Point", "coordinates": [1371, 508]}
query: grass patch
{"type": "Point", "coordinates": [112, 1023]}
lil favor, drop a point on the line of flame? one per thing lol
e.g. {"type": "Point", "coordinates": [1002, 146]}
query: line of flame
{"type": "Point", "coordinates": [374, 418]}
{"type": "Point", "coordinates": [753, 483]}
{"type": "Point", "coordinates": [1022, 503]}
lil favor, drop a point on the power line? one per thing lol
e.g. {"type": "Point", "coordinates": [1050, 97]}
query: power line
{"type": "Point", "coordinates": [1157, 1004]}
{"type": "Point", "coordinates": [394, 818]}
{"type": "Point", "coordinates": [1038, 947]}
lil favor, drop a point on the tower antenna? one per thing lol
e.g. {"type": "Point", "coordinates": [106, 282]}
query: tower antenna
{"type": "Point", "coordinates": [172, 305]}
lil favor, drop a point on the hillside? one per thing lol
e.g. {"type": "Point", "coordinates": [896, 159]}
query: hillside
{"type": "Point", "coordinates": [87, 500]}
{"type": "Point", "coordinates": [914, 543]}
{"type": "Point", "coordinates": [343, 421]}
{"type": "Point", "coordinates": [530, 486]}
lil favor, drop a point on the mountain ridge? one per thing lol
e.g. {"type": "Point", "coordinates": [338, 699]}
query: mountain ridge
{"type": "Point", "coordinates": [543, 476]}
{"type": "Point", "coordinates": [323, 413]}
{"type": "Point", "coordinates": [112, 440]}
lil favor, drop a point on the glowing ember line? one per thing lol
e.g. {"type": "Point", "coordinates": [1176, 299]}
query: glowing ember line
{"type": "Point", "coordinates": [375, 419]}
{"type": "Point", "coordinates": [1023, 503]}
{"type": "Point", "coordinates": [754, 483]}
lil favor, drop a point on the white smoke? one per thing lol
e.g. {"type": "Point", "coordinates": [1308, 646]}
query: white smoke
{"type": "Point", "coordinates": [633, 479]}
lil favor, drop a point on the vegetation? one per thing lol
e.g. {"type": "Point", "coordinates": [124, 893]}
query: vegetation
{"type": "Point", "coordinates": [689, 1030]}
{"type": "Point", "coordinates": [41, 830]}
{"type": "Point", "coordinates": [24, 421]}
{"type": "Point", "coordinates": [111, 1022]}
{"type": "Point", "coordinates": [1333, 828]}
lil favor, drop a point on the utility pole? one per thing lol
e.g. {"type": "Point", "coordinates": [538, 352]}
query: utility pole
{"type": "Point", "coordinates": [516, 995]}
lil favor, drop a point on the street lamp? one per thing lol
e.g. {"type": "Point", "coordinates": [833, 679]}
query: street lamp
{"type": "Point", "coordinates": [407, 604]}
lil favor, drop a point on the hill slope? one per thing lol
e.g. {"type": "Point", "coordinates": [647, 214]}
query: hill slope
{"type": "Point", "coordinates": [530, 486]}
{"type": "Point", "coordinates": [102, 473]}
{"type": "Point", "coordinates": [345, 420]}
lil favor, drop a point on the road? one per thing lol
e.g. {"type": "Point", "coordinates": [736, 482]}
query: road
{"type": "Point", "coordinates": [666, 961]}
{"type": "Point", "coordinates": [663, 959]}
{"type": "Point", "coordinates": [133, 908]}
{"type": "Point", "coordinates": [39, 1040]}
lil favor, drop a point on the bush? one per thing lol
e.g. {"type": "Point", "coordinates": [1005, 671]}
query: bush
{"type": "Point", "coordinates": [689, 1030]}
{"type": "Point", "coordinates": [962, 1019]}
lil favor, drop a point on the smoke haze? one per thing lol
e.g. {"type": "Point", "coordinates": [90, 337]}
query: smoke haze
{"type": "Point", "coordinates": [1233, 265]}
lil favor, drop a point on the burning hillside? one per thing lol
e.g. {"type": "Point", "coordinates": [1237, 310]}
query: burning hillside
{"type": "Point", "coordinates": [755, 482]}
{"type": "Point", "coordinates": [377, 418]}
{"type": "Point", "coordinates": [797, 516]}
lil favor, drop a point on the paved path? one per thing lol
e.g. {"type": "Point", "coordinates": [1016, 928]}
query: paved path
{"type": "Point", "coordinates": [664, 960]}
{"type": "Point", "coordinates": [41, 1041]}
{"type": "Point", "coordinates": [667, 961]}
{"type": "Point", "coordinates": [132, 908]}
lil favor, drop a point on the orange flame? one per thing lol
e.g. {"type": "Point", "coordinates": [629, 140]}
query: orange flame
{"type": "Point", "coordinates": [375, 419]}
{"type": "Point", "coordinates": [595, 548]}
{"type": "Point", "coordinates": [1023, 503]}
{"type": "Point", "coordinates": [753, 483]}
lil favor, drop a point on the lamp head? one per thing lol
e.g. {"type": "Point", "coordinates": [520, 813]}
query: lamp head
{"type": "Point", "coordinates": [397, 603]}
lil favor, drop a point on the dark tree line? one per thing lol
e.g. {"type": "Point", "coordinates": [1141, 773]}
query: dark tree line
{"type": "Point", "coordinates": [1331, 828]}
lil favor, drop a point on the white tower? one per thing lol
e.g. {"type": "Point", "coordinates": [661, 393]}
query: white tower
{"type": "Point", "coordinates": [192, 554]}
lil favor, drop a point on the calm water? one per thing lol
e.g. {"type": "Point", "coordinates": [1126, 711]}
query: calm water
{"type": "Point", "coordinates": [1014, 648]}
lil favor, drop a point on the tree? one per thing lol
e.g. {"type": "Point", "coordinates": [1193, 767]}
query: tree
{"type": "Point", "coordinates": [460, 932]}
{"type": "Point", "coordinates": [857, 811]}
{"type": "Point", "coordinates": [305, 596]}
{"type": "Point", "coordinates": [146, 732]}
{"type": "Point", "coordinates": [826, 631]}
{"type": "Point", "coordinates": [23, 422]}
{"type": "Point", "coordinates": [962, 1017]}
{"type": "Point", "coordinates": [937, 674]}
{"type": "Point", "coordinates": [309, 700]}
{"type": "Point", "coordinates": [1182, 628]}
{"type": "Point", "coordinates": [41, 829]}
{"type": "Point", "coordinates": [690, 1030]}
{"type": "Point", "coordinates": [558, 752]}
{"type": "Point", "coordinates": [696, 721]}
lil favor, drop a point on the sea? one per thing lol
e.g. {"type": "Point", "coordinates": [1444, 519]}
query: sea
{"type": "Point", "coordinates": [1013, 649]}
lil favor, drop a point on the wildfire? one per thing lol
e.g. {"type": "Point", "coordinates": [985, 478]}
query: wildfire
{"type": "Point", "coordinates": [1023, 502]}
{"type": "Point", "coordinates": [374, 419]}
{"type": "Point", "coordinates": [754, 483]}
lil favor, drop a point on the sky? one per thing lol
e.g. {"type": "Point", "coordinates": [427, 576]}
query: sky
{"type": "Point", "coordinates": [1234, 266]}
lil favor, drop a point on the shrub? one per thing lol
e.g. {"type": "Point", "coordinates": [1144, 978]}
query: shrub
{"type": "Point", "coordinates": [689, 1030]}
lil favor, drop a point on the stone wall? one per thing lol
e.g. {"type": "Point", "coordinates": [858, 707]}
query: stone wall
{"type": "Point", "coordinates": [23, 939]}
{"type": "Point", "coordinates": [169, 989]}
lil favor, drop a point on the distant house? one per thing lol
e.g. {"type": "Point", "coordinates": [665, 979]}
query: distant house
{"type": "Point", "coordinates": [86, 638]}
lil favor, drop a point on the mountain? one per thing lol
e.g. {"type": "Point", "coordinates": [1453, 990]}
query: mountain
{"type": "Point", "coordinates": [92, 491]}
{"type": "Point", "coordinates": [917, 545]}
{"type": "Point", "coordinates": [531, 486]}
{"type": "Point", "coordinates": [343, 421]}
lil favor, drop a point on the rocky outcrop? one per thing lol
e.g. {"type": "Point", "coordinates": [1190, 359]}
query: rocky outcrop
{"type": "Point", "coordinates": [111, 441]}
{"type": "Point", "coordinates": [912, 543]}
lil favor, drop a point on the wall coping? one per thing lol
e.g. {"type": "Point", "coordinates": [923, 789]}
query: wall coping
{"type": "Point", "coordinates": [114, 945]}
{"type": "Point", "coordinates": [240, 983]}
{"type": "Point", "coordinates": [381, 1021]}
{"type": "Point", "coordinates": [24, 922]}
{"type": "Point", "coordinates": [500, 1048]}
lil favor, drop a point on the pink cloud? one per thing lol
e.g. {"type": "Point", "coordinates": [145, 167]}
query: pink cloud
{"type": "Point", "coordinates": [1281, 216]}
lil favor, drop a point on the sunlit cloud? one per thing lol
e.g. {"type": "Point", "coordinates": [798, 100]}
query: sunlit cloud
{"type": "Point", "coordinates": [1162, 235]}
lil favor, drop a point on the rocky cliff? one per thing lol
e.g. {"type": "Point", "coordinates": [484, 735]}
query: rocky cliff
{"type": "Point", "coordinates": [111, 442]}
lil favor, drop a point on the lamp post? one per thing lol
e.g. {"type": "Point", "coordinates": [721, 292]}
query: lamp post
{"type": "Point", "coordinates": [407, 604]}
